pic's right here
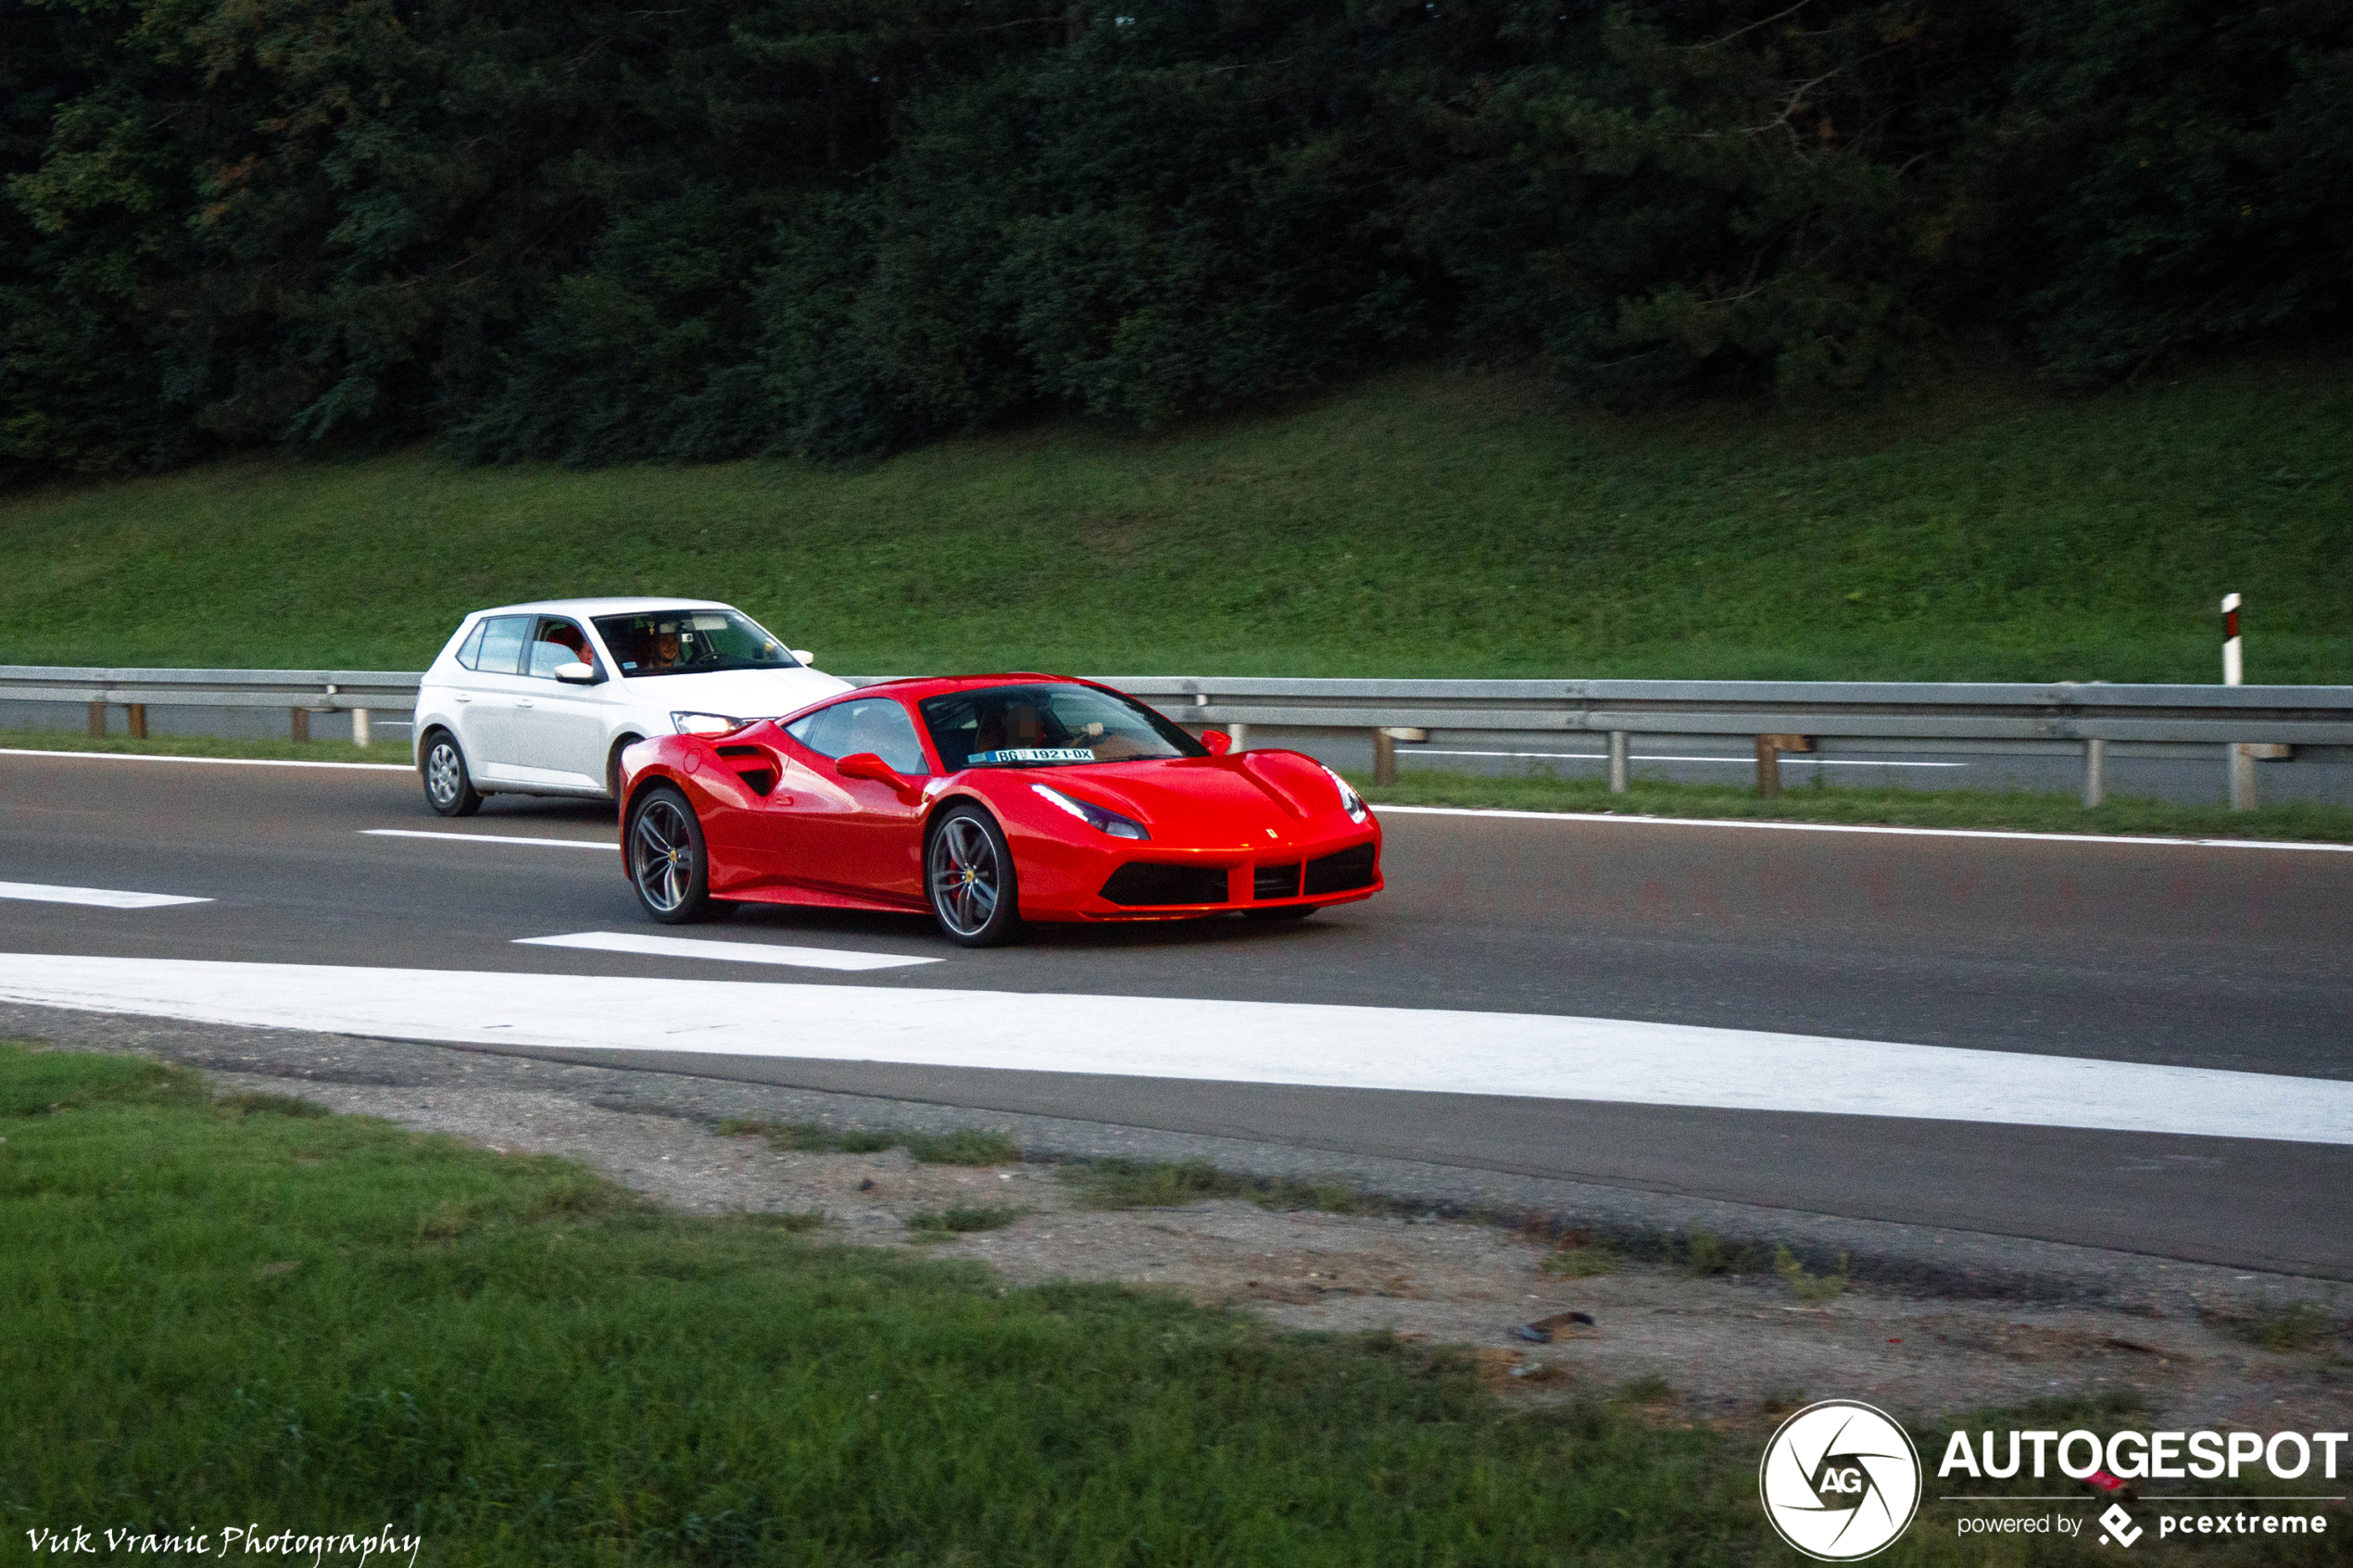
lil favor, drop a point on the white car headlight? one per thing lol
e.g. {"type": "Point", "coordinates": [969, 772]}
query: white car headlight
{"type": "Point", "coordinates": [1095, 816]}
{"type": "Point", "coordinates": [704, 723]}
{"type": "Point", "coordinates": [1350, 801]}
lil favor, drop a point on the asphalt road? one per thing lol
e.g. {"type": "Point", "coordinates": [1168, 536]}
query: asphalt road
{"type": "Point", "coordinates": [2206, 958]}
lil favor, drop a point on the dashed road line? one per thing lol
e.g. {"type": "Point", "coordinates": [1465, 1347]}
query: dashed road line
{"type": "Point", "coordinates": [94, 897]}
{"type": "Point", "coordinates": [725, 952]}
{"type": "Point", "coordinates": [492, 838]}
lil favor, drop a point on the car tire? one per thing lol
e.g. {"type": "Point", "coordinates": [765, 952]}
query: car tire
{"type": "Point", "coordinates": [1296, 911]}
{"type": "Point", "coordinates": [612, 764]}
{"type": "Point", "coordinates": [969, 878]}
{"type": "Point", "coordinates": [449, 785]}
{"type": "Point", "coordinates": [669, 863]}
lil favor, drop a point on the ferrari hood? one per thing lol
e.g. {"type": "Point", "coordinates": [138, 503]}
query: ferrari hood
{"type": "Point", "coordinates": [1249, 793]}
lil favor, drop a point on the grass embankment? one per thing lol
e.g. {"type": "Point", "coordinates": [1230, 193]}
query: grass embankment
{"type": "Point", "coordinates": [1421, 524]}
{"type": "Point", "coordinates": [242, 1312]}
{"type": "Point", "coordinates": [394, 753]}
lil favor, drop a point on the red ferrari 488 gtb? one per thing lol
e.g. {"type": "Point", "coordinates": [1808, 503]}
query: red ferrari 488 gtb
{"type": "Point", "coordinates": [989, 800]}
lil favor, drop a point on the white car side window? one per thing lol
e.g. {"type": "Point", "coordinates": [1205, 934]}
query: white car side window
{"type": "Point", "coordinates": [874, 723]}
{"type": "Point", "coordinates": [502, 640]}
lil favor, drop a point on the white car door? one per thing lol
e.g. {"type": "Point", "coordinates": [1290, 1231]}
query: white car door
{"type": "Point", "coordinates": [483, 707]}
{"type": "Point", "coordinates": [558, 728]}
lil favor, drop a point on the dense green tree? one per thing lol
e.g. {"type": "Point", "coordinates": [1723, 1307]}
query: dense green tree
{"type": "Point", "coordinates": [840, 226]}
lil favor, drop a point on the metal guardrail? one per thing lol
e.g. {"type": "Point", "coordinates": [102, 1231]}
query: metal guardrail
{"type": "Point", "coordinates": [1781, 715]}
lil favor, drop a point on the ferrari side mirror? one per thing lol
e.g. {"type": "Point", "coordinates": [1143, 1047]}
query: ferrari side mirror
{"type": "Point", "coordinates": [867, 765]}
{"type": "Point", "coordinates": [1219, 741]}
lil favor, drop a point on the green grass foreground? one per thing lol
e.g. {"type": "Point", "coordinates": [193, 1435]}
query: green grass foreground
{"type": "Point", "coordinates": [219, 1314]}
{"type": "Point", "coordinates": [2010, 811]}
{"type": "Point", "coordinates": [1424, 523]}
{"type": "Point", "coordinates": [245, 1311]}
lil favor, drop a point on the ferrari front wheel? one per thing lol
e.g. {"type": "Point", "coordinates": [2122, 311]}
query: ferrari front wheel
{"type": "Point", "coordinates": [668, 859]}
{"type": "Point", "coordinates": [968, 869]}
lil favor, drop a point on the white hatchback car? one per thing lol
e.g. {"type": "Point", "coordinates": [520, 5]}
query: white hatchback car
{"type": "Point", "coordinates": [543, 699]}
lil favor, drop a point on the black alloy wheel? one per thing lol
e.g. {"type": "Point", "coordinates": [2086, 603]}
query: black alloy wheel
{"type": "Point", "coordinates": [450, 788]}
{"type": "Point", "coordinates": [968, 870]}
{"type": "Point", "coordinates": [668, 862]}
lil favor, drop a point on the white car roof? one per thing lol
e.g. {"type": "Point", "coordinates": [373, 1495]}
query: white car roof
{"type": "Point", "coordinates": [602, 607]}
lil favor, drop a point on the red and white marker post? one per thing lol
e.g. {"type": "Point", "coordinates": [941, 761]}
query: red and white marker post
{"type": "Point", "coordinates": [2233, 673]}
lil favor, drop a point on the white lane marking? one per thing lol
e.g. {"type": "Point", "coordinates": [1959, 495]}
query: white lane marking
{"type": "Point", "coordinates": [1623, 817]}
{"type": "Point", "coordinates": [491, 838]}
{"type": "Point", "coordinates": [1365, 1047]}
{"type": "Point", "coordinates": [96, 898]}
{"type": "Point", "coordinates": [730, 952]}
{"type": "Point", "coordinates": [213, 762]}
{"type": "Point", "coordinates": [1788, 758]}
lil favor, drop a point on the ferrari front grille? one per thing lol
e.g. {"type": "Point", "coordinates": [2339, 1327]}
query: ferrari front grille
{"type": "Point", "coordinates": [1275, 881]}
{"type": "Point", "coordinates": [1338, 873]}
{"type": "Point", "coordinates": [1146, 882]}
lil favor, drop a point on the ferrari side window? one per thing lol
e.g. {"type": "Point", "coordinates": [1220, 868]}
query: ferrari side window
{"type": "Point", "coordinates": [872, 723]}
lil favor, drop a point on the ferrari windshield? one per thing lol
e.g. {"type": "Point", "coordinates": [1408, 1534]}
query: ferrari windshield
{"type": "Point", "coordinates": [691, 642]}
{"type": "Point", "coordinates": [1047, 727]}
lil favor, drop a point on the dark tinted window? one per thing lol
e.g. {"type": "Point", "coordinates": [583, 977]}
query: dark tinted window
{"type": "Point", "coordinates": [1048, 726]}
{"type": "Point", "coordinates": [686, 642]}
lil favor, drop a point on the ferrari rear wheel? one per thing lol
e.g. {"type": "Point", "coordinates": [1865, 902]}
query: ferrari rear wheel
{"type": "Point", "coordinates": [668, 859]}
{"type": "Point", "coordinates": [968, 869]}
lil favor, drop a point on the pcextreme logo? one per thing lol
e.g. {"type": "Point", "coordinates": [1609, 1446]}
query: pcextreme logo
{"type": "Point", "coordinates": [1840, 1480]}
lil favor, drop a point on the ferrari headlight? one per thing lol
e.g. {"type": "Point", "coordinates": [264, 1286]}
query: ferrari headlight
{"type": "Point", "coordinates": [704, 723]}
{"type": "Point", "coordinates": [1350, 801]}
{"type": "Point", "coordinates": [1095, 816]}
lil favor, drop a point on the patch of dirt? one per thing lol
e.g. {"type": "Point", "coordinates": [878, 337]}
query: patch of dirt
{"type": "Point", "coordinates": [1736, 1348]}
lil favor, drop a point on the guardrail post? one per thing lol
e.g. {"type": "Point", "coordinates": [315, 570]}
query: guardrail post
{"type": "Point", "coordinates": [2095, 772]}
{"type": "Point", "coordinates": [2242, 778]}
{"type": "Point", "coordinates": [1384, 758]}
{"type": "Point", "coordinates": [1768, 766]}
{"type": "Point", "coordinates": [97, 721]}
{"type": "Point", "coordinates": [138, 712]}
{"type": "Point", "coordinates": [301, 723]}
{"type": "Point", "coordinates": [359, 735]}
{"type": "Point", "coordinates": [1238, 734]}
{"type": "Point", "coordinates": [1617, 761]}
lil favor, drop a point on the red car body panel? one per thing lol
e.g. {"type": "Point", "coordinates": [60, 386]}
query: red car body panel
{"type": "Point", "coordinates": [783, 825]}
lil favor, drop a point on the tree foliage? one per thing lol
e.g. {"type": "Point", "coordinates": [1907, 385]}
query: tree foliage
{"type": "Point", "coordinates": [840, 226]}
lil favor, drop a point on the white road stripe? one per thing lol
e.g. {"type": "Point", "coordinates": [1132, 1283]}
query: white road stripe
{"type": "Point", "coordinates": [1635, 817]}
{"type": "Point", "coordinates": [96, 898]}
{"type": "Point", "coordinates": [729, 952]}
{"type": "Point", "coordinates": [212, 761]}
{"type": "Point", "coordinates": [492, 838]}
{"type": "Point", "coordinates": [1478, 1053]}
{"type": "Point", "coordinates": [1788, 758]}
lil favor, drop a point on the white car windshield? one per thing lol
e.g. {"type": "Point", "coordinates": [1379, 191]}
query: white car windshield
{"type": "Point", "coordinates": [691, 642]}
{"type": "Point", "coordinates": [1048, 726]}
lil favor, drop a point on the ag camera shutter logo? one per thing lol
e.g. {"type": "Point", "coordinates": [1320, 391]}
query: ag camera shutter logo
{"type": "Point", "coordinates": [1841, 1480]}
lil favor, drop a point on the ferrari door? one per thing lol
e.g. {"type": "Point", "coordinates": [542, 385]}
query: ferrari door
{"type": "Point", "coordinates": [858, 836]}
